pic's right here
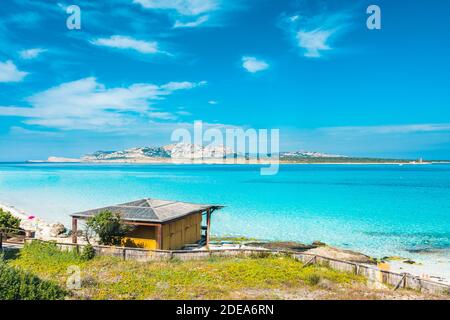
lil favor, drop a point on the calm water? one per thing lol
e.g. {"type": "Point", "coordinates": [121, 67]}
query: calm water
{"type": "Point", "coordinates": [379, 209]}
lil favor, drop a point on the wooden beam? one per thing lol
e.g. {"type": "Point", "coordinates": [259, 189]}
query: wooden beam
{"type": "Point", "coordinates": [208, 224]}
{"type": "Point", "coordinates": [138, 223]}
{"type": "Point", "coordinates": [74, 230]}
{"type": "Point", "coordinates": [159, 236]}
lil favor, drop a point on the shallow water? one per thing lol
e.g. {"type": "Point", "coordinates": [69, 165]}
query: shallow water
{"type": "Point", "coordinates": [377, 209]}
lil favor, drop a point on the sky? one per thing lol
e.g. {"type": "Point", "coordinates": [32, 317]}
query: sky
{"type": "Point", "coordinates": [138, 69]}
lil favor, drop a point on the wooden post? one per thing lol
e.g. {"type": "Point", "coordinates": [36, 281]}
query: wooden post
{"type": "Point", "coordinates": [159, 236]}
{"type": "Point", "coordinates": [310, 261]}
{"type": "Point", "coordinates": [208, 224]}
{"type": "Point", "coordinates": [401, 282]}
{"type": "Point", "coordinates": [74, 230]}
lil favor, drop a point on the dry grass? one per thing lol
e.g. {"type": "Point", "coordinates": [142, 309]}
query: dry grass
{"type": "Point", "coordinates": [273, 277]}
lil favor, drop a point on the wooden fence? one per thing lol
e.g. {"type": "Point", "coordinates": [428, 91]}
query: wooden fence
{"type": "Point", "coordinates": [10, 235]}
{"type": "Point", "coordinates": [372, 273]}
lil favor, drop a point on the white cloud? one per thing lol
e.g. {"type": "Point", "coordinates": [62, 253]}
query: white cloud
{"type": "Point", "coordinates": [31, 53]}
{"type": "Point", "coordinates": [314, 42]}
{"type": "Point", "coordinates": [191, 13]}
{"type": "Point", "coordinates": [184, 113]}
{"type": "Point", "coordinates": [10, 73]}
{"type": "Point", "coordinates": [183, 7]}
{"type": "Point", "coordinates": [124, 42]}
{"type": "Point", "coordinates": [315, 33]}
{"type": "Point", "coordinates": [213, 102]}
{"type": "Point", "coordinates": [251, 64]}
{"type": "Point", "coordinates": [86, 104]}
{"type": "Point", "coordinates": [192, 24]}
{"type": "Point", "coordinates": [172, 86]}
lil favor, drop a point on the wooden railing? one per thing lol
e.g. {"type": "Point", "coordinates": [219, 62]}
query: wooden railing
{"type": "Point", "coordinates": [10, 235]}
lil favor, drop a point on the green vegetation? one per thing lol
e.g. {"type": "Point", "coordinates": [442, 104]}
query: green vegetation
{"type": "Point", "coordinates": [20, 285]}
{"type": "Point", "coordinates": [256, 277]}
{"type": "Point", "coordinates": [88, 252]}
{"type": "Point", "coordinates": [225, 278]}
{"type": "Point", "coordinates": [46, 258]}
{"type": "Point", "coordinates": [294, 159]}
{"type": "Point", "coordinates": [108, 226]}
{"type": "Point", "coordinates": [232, 239]}
{"type": "Point", "coordinates": [7, 220]}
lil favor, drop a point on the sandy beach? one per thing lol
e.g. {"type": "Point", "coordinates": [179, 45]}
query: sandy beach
{"type": "Point", "coordinates": [42, 229]}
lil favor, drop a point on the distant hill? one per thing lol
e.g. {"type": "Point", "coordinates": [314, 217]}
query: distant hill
{"type": "Point", "coordinates": [309, 154]}
{"type": "Point", "coordinates": [133, 153]}
{"type": "Point", "coordinates": [213, 154]}
{"type": "Point", "coordinates": [192, 151]}
{"type": "Point", "coordinates": [172, 151]}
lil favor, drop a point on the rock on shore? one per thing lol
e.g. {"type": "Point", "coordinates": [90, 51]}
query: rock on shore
{"type": "Point", "coordinates": [42, 229]}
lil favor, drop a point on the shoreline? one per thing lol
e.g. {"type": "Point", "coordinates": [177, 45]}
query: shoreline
{"type": "Point", "coordinates": [41, 228]}
{"type": "Point", "coordinates": [430, 269]}
{"type": "Point", "coordinates": [244, 162]}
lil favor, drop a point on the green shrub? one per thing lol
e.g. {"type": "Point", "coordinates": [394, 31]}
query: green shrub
{"type": "Point", "coordinates": [7, 220]}
{"type": "Point", "coordinates": [88, 252]}
{"type": "Point", "coordinates": [19, 285]}
{"type": "Point", "coordinates": [108, 226]}
{"type": "Point", "coordinates": [313, 279]}
{"type": "Point", "coordinates": [49, 256]}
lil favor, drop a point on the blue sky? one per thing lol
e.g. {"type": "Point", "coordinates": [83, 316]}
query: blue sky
{"type": "Point", "coordinates": [138, 69]}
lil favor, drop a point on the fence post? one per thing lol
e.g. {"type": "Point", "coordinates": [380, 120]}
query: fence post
{"type": "Point", "coordinates": [310, 261]}
{"type": "Point", "coordinates": [402, 281]}
{"type": "Point", "coordinates": [356, 269]}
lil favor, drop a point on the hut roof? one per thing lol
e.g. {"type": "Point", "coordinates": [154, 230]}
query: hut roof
{"type": "Point", "coordinates": [150, 210]}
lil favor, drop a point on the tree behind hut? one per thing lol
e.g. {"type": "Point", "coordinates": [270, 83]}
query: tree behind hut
{"type": "Point", "coordinates": [7, 220]}
{"type": "Point", "coordinates": [108, 226]}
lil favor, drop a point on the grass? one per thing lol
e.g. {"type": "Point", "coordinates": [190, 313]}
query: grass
{"type": "Point", "coordinates": [17, 284]}
{"type": "Point", "coordinates": [255, 277]}
{"type": "Point", "coordinates": [113, 278]}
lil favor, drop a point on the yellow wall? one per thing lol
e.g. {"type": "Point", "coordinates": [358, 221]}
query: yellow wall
{"type": "Point", "coordinates": [141, 237]}
{"type": "Point", "coordinates": [175, 234]}
{"type": "Point", "coordinates": [181, 232]}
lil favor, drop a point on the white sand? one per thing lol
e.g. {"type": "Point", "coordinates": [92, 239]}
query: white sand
{"type": "Point", "coordinates": [40, 227]}
{"type": "Point", "coordinates": [433, 270]}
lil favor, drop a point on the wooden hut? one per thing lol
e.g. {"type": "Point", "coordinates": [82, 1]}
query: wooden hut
{"type": "Point", "coordinates": [158, 224]}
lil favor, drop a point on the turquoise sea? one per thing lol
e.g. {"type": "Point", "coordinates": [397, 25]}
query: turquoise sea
{"type": "Point", "coordinates": [377, 209]}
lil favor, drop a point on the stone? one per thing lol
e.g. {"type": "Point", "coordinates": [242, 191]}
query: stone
{"type": "Point", "coordinates": [56, 229]}
{"type": "Point", "coordinates": [340, 254]}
